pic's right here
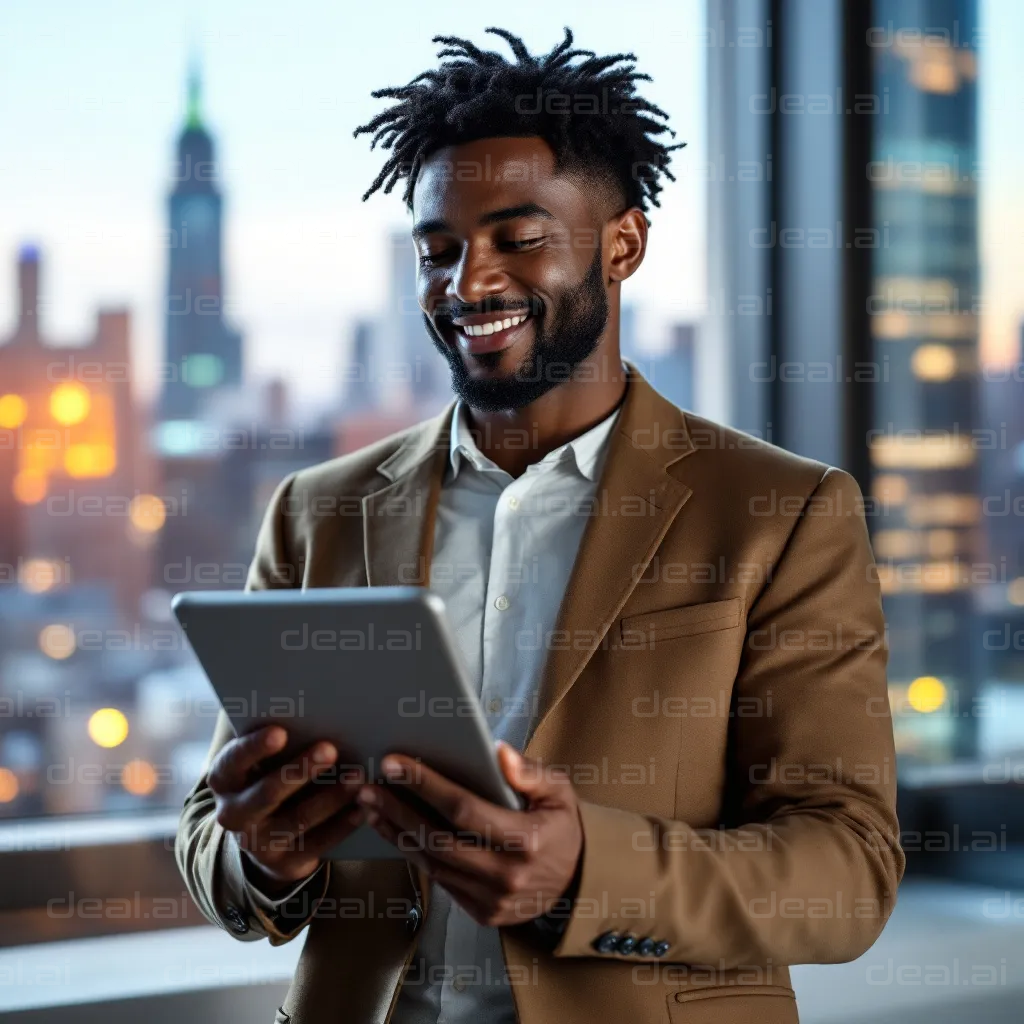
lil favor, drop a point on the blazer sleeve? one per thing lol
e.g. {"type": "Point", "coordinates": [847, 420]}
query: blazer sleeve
{"type": "Point", "coordinates": [210, 861]}
{"type": "Point", "coordinates": [810, 873]}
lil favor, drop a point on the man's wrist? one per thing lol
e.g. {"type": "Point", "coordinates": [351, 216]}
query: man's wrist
{"type": "Point", "coordinates": [551, 925]}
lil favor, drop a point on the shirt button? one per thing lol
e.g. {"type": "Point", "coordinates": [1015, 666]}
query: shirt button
{"type": "Point", "coordinates": [501, 603]}
{"type": "Point", "coordinates": [494, 705]}
{"type": "Point", "coordinates": [513, 503]}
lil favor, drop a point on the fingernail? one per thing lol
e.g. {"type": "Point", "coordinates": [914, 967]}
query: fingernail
{"type": "Point", "coordinates": [324, 754]}
{"type": "Point", "coordinates": [368, 797]}
{"type": "Point", "coordinates": [391, 769]}
{"type": "Point", "coordinates": [276, 739]}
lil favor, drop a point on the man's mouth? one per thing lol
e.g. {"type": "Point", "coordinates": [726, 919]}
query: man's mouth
{"type": "Point", "coordinates": [478, 326]}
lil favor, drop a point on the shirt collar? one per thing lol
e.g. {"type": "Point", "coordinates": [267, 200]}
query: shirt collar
{"type": "Point", "coordinates": [585, 450]}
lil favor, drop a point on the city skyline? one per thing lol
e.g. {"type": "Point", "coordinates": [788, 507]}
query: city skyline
{"type": "Point", "coordinates": [304, 257]}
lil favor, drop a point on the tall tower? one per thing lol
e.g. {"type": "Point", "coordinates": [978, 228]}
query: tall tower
{"type": "Point", "coordinates": [202, 353]}
{"type": "Point", "coordinates": [925, 330]}
{"type": "Point", "coordinates": [412, 369]}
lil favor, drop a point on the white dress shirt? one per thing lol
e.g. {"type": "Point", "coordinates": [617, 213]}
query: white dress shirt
{"type": "Point", "coordinates": [503, 552]}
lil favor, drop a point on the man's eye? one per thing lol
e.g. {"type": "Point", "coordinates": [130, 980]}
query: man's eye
{"type": "Point", "coordinates": [525, 243]}
{"type": "Point", "coordinates": [432, 259]}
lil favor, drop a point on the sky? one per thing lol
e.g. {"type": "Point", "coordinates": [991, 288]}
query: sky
{"type": "Point", "coordinates": [92, 95]}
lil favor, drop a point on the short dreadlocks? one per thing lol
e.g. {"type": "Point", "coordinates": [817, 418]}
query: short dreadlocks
{"type": "Point", "coordinates": [478, 94]}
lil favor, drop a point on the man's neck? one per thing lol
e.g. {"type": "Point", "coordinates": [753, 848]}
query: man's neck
{"type": "Point", "coordinates": [517, 438]}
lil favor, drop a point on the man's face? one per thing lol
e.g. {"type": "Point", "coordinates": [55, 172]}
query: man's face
{"type": "Point", "coordinates": [510, 275]}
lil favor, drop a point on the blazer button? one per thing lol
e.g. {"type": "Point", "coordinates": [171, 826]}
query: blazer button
{"type": "Point", "coordinates": [646, 947]}
{"type": "Point", "coordinates": [626, 944]}
{"type": "Point", "coordinates": [236, 919]}
{"type": "Point", "coordinates": [413, 918]}
{"type": "Point", "coordinates": [662, 948]}
{"type": "Point", "coordinates": [607, 943]}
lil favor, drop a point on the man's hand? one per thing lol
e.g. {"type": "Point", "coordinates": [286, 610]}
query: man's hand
{"type": "Point", "coordinates": [285, 818]}
{"type": "Point", "coordinates": [503, 867]}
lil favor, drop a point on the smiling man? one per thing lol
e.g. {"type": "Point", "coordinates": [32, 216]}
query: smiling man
{"type": "Point", "coordinates": [675, 630]}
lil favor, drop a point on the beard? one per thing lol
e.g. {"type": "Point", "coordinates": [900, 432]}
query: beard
{"type": "Point", "coordinates": [579, 317]}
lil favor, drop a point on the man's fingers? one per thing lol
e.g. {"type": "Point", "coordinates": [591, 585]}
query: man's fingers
{"type": "Point", "coordinates": [412, 833]}
{"type": "Point", "coordinates": [230, 770]}
{"type": "Point", "coordinates": [265, 796]}
{"type": "Point", "coordinates": [322, 839]}
{"type": "Point", "coordinates": [307, 811]}
{"type": "Point", "coordinates": [530, 777]}
{"type": "Point", "coordinates": [465, 810]}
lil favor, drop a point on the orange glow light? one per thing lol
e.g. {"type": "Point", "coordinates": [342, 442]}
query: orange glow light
{"type": "Point", "coordinates": [57, 641]}
{"type": "Point", "coordinates": [8, 786]}
{"type": "Point", "coordinates": [139, 777]}
{"type": "Point", "coordinates": [29, 488]}
{"type": "Point", "coordinates": [90, 460]}
{"type": "Point", "coordinates": [147, 513]}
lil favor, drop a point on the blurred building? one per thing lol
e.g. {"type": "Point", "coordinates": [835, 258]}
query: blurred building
{"type": "Point", "coordinates": [202, 352]}
{"type": "Point", "coordinates": [923, 448]}
{"type": "Point", "coordinates": [671, 371]}
{"type": "Point", "coordinates": [1001, 600]}
{"type": "Point", "coordinates": [362, 384]}
{"type": "Point", "coordinates": [412, 369]}
{"type": "Point", "coordinates": [73, 506]}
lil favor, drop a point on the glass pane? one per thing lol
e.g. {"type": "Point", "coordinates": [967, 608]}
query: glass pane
{"type": "Point", "coordinates": [255, 316]}
{"type": "Point", "coordinates": [945, 322]}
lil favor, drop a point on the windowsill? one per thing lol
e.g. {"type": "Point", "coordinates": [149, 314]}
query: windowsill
{"type": "Point", "coordinates": [65, 833]}
{"type": "Point", "coordinates": [947, 953]}
{"type": "Point", "coordinates": [132, 966]}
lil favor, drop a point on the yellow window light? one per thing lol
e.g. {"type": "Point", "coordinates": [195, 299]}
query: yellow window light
{"type": "Point", "coordinates": [926, 694]}
{"type": "Point", "coordinates": [108, 727]}
{"type": "Point", "coordinates": [935, 363]}
{"type": "Point", "coordinates": [69, 403]}
{"type": "Point", "coordinates": [13, 410]}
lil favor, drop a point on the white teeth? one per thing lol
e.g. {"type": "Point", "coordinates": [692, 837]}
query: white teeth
{"type": "Point", "coordinates": [476, 330]}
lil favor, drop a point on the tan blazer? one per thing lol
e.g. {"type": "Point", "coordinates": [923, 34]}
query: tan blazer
{"type": "Point", "coordinates": [717, 691]}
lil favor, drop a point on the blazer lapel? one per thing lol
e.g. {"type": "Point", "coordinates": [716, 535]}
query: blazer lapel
{"type": "Point", "coordinates": [398, 519]}
{"type": "Point", "coordinates": [636, 502]}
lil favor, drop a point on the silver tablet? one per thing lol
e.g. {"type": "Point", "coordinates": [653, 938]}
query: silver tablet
{"type": "Point", "coordinates": [375, 670]}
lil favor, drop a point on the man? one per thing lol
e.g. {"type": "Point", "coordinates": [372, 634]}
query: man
{"type": "Point", "coordinates": [675, 629]}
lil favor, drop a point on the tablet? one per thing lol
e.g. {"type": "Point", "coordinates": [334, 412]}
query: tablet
{"type": "Point", "coordinates": [375, 670]}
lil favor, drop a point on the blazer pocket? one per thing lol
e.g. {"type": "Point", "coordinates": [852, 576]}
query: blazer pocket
{"type": "Point", "coordinates": [767, 1004]}
{"type": "Point", "coordinates": [652, 627]}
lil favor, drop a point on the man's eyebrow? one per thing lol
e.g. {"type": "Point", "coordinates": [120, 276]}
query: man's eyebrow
{"type": "Point", "coordinates": [429, 227]}
{"type": "Point", "coordinates": [511, 212]}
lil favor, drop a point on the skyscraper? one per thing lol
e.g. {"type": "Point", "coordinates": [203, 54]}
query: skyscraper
{"type": "Point", "coordinates": [411, 367]}
{"type": "Point", "coordinates": [925, 331]}
{"type": "Point", "coordinates": [203, 353]}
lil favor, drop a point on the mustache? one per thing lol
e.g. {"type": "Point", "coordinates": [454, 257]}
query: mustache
{"type": "Point", "coordinates": [450, 310]}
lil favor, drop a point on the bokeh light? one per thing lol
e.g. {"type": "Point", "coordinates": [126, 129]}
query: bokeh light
{"type": "Point", "coordinates": [108, 727]}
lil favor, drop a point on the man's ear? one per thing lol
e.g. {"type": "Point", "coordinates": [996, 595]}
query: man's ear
{"type": "Point", "coordinates": [625, 243]}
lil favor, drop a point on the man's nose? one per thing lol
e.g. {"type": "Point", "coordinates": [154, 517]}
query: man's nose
{"type": "Point", "coordinates": [476, 278]}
